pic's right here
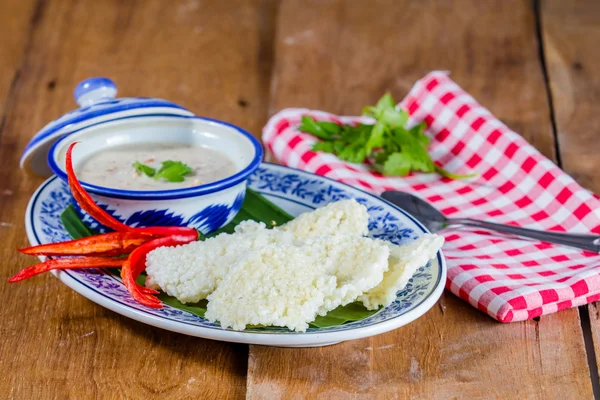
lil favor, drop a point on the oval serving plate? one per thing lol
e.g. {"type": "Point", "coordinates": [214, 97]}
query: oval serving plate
{"type": "Point", "coordinates": [296, 192]}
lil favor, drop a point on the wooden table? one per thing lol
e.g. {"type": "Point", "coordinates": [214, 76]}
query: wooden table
{"type": "Point", "coordinates": [535, 64]}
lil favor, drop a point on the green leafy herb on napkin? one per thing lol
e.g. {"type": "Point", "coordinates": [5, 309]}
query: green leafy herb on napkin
{"type": "Point", "coordinates": [388, 145]}
{"type": "Point", "coordinates": [172, 171]}
{"type": "Point", "coordinates": [255, 207]}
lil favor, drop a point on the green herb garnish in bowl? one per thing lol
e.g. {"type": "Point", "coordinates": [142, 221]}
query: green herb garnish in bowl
{"type": "Point", "coordinates": [172, 171]}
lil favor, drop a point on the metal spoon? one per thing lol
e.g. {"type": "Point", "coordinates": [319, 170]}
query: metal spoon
{"type": "Point", "coordinates": [434, 220]}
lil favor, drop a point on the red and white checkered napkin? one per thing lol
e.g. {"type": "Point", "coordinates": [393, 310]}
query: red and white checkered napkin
{"type": "Point", "coordinates": [508, 278]}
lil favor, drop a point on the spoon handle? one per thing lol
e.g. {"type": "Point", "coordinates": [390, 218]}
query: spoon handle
{"type": "Point", "coordinates": [584, 242]}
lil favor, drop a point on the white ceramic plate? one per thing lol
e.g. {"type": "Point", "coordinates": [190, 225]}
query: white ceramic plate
{"type": "Point", "coordinates": [296, 192]}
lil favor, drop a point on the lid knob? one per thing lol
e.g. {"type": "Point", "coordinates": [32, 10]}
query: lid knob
{"type": "Point", "coordinates": [95, 90]}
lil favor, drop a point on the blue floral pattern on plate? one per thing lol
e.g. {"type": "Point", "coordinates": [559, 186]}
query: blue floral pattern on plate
{"type": "Point", "coordinates": [289, 189]}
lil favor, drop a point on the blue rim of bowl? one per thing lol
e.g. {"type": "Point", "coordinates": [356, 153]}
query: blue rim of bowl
{"type": "Point", "coordinates": [85, 113]}
{"type": "Point", "coordinates": [165, 194]}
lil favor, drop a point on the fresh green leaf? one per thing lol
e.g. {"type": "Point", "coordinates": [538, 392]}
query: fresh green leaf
{"type": "Point", "coordinates": [331, 128]}
{"type": "Point", "coordinates": [369, 111]}
{"type": "Point", "coordinates": [173, 171]}
{"type": "Point", "coordinates": [144, 169]}
{"type": "Point", "coordinates": [262, 210]}
{"type": "Point", "coordinates": [388, 137]}
{"type": "Point", "coordinates": [393, 118]}
{"type": "Point", "coordinates": [417, 132]}
{"type": "Point", "coordinates": [256, 208]}
{"type": "Point", "coordinates": [397, 164]}
{"type": "Point", "coordinates": [339, 316]}
{"type": "Point", "coordinates": [381, 156]}
{"type": "Point", "coordinates": [385, 103]}
{"type": "Point", "coordinates": [412, 150]}
{"type": "Point", "coordinates": [339, 146]}
{"type": "Point", "coordinates": [73, 224]}
{"type": "Point", "coordinates": [353, 154]}
{"type": "Point", "coordinates": [198, 309]}
{"type": "Point", "coordinates": [322, 130]}
{"type": "Point", "coordinates": [350, 312]}
{"type": "Point", "coordinates": [451, 175]}
{"type": "Point", "coordinates": [377, 137]}
{"type": "Point", "coordinates": [325, 147]}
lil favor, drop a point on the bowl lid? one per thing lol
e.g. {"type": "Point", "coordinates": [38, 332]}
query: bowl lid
{"type": "Point", "coordinates": [97, 100]}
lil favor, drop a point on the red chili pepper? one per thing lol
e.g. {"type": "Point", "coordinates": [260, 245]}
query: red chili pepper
{"type": "Point", "coordinates": [108, 244]}
{"type": "Point", "coordinates": [136, 291]}
{"type": "Point", "coordinates": [168, 231]}
{"type": "Point", "coordinates": [136, 263]}
{"type": "Point", "coordinates": [138, 241]}
{"type": "Point", "coordinates": [147, 290]}
{"type": "Point", "coordinates": [87, 204]}
{"type": "Point", "coordinates": [85, 201]}
{"type": "Point", "coordinates": [66, 263]}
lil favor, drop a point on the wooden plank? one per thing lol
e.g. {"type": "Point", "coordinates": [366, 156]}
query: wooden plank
{"type": "Point", "coordinates": [16, 18]}
{"type": "Point", "coordinates": [206, 55]}
{"type": "Point", "coordinates": [571, 34]}
{"type": "Point", "coordinates": [341, 55]}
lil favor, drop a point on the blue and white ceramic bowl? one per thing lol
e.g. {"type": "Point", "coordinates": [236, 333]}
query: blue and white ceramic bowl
{"type": "Point", "coordinates": [97, 102]}
{"type": "Point", "coordinates": [206, 207]}
{"type": "Point", "coordinates": [103, 120]}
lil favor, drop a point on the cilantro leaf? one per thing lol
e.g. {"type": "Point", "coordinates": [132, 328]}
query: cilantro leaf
{"type": "Point", "coordinates": [173, 171]}
{"type": "Point", "coordinates": [448, 174]}
{"type": "Point", "coordinates": [376, 138]}
{"type": "Point", "coordinates": [389, 146]}
{"type": "Point", "coordinates": [420, 160]}
{"type": "Point", "coordinates": [144, 169]}
{"type": "Point", "coordinates": [380, 158]}
{"type": "Point", "coordinates": [393, 117]}
{"type": "Point", "coordinates": [353, 154]}
{"type": "Point", "coordinates": [384, 104]}
{"type": "Point", "coordinates": [397, 164]}
{"type": "Point", "coordinates": [418, 132]}
{"type": "Point", "coordinates": [322, 130]}
{"type": "Point", "coordinates": [325, 147]}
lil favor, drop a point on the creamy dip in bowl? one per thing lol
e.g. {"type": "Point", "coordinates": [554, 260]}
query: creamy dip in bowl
{"type": "Point", "coordinates": [126, 164]}
{"type": "Point", "coordinates": [115, 167]}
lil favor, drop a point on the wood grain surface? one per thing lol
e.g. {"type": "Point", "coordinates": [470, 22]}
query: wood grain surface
{"type": "Point", "coordinates": [335, 58]}
{"type": "Point", "coordinates": [570, 33]}
{"type": "Point", "coordinates": [242, 61]}
{"type": "Point", "coordinates": [16, 18]}
{"type": "Point", "coordinates": [208, 56]}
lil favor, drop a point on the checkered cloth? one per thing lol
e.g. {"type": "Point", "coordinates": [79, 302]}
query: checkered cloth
{"type": "Point", "coordinates": [511, 279]}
